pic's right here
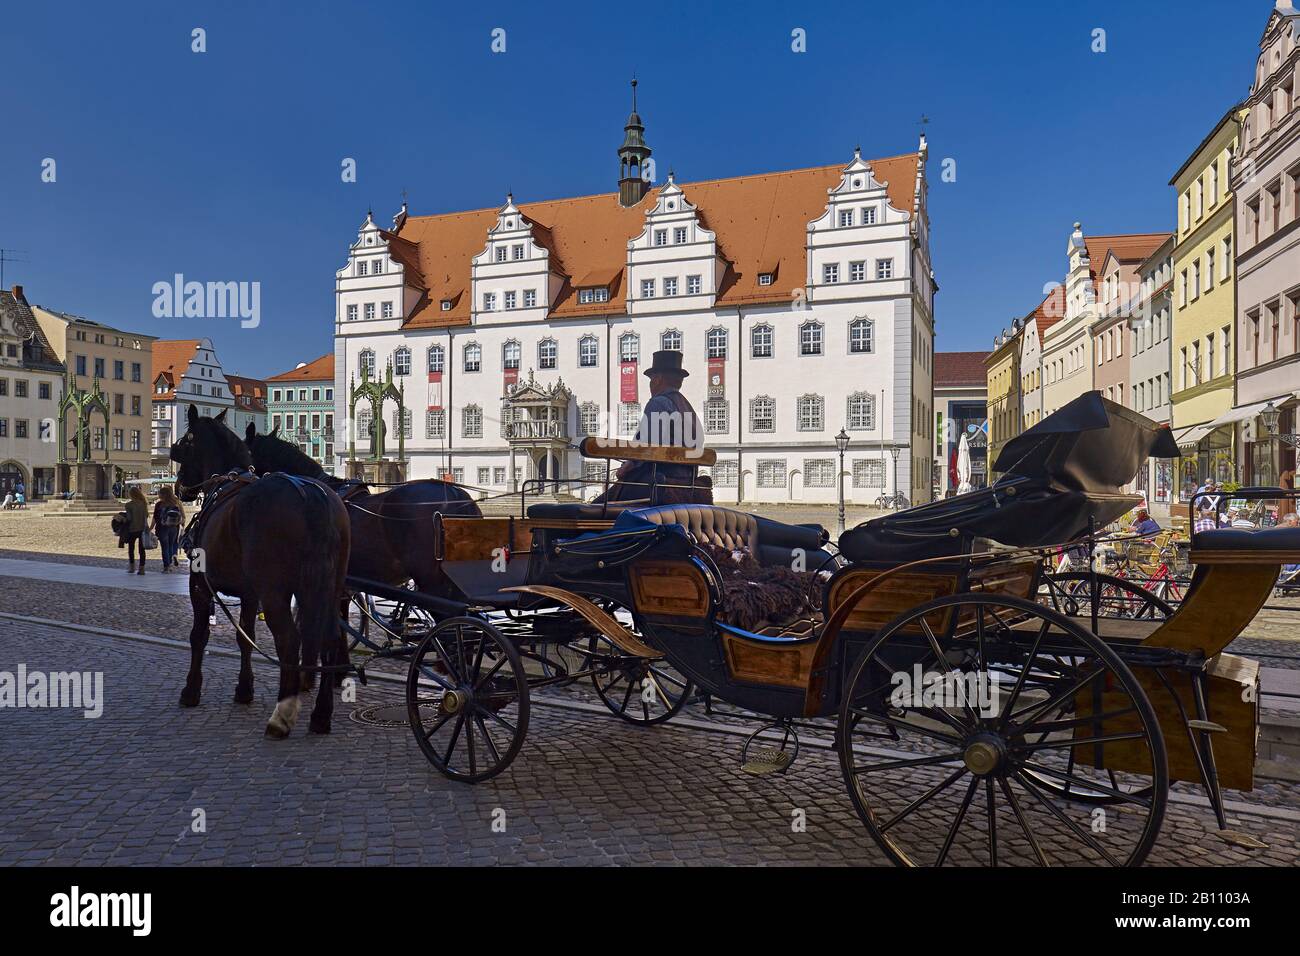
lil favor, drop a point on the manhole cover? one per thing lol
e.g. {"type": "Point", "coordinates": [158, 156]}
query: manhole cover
{"type": "Point", "coordinates": [385, 715]}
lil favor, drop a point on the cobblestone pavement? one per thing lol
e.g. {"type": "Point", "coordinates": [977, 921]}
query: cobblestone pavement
{"type": "Point", "coordinates": [586, 788]}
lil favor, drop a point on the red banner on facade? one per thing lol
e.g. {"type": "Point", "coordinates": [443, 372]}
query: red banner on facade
{"type": "Point", "coordinates": [435, 391]}
{"type": "Point", "coordinates": [512, 377]}
{"type": "Point", "coordinates": [717, 377]}
{"type": "Point", "coordinates": [627, 382]}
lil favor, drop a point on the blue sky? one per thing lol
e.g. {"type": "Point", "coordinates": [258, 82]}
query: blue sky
{"type": "Point", "coordinates": [226, 165]}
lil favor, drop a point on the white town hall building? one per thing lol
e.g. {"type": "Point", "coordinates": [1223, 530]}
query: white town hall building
{"type": "Point", "coordinates": [802, 302]}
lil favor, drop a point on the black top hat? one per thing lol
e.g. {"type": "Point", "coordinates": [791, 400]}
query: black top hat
{"type": "Point", "coordinates": [667, 361]}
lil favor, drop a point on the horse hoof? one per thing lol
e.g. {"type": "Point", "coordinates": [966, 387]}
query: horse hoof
{"type": "Point", "coordinates": [189, 698]}
{"type": "Point", "coordinates": [276, 731]}
{"type": "Point", "coordinates": [319, 725]}
{"type": "Point", "coordinates": [243, 695]}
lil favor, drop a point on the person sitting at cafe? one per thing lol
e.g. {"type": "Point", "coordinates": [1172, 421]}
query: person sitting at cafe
{"type": "Point", "coordinates": [1145, 524]}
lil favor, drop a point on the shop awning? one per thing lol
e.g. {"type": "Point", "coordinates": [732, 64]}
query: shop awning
{"type": "Point", "coordinates": [1193, 435]}
{"type": "Point", "coordinates": [1240, 413]}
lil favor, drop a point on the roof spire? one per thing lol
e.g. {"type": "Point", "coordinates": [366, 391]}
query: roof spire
{"type": "Point", "coordinates": [636, 174]}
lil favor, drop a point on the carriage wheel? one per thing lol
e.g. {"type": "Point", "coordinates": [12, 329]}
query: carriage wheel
{"type": "Point", "coordinates": [1030, 696]}
{"type": "Point", "coordinates": [467, 699]}
{"type": "Point", "coordinates": [1070, 592]}
{"type": "Point", "coordinates": [640, 691]}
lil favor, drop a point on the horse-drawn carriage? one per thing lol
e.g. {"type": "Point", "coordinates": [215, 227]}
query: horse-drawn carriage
{"type": "Point", "coordinates": [970, 717]}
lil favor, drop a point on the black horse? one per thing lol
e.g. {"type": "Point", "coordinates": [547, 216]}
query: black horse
{"type": "Point", "coordinates": [266, 541]}
{"type": "Point", "coordinates": [392, 531]}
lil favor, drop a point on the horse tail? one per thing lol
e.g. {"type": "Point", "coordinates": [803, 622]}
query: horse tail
{"type": "Point", "coordinates": [321, 572]}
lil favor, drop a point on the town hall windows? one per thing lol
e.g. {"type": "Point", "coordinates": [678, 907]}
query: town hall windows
{"type": "Point", "coordinates": [501, 253]}
{"type": "Point", "coordinates": [547, 353]}
{"type": "Point", "coordinates": [857, 271]}
{"type": "Point", "coordinates": [629, 347]}
{"type": "Point", "coordinates": [510, 354]}
{"type": "Point", "coordinates": [588, 351]}
{"type": "Point", "coordinates": [509, 300]}
{"type": "Point", "coordinates": [671, 341]}
{"type": "Point", "coordinates": [370, 310]}
{"type": "Point", "coordinates": [831, 273]}
{"type": "Point", "coordinates": [361, 267]}
{"type": "Point", "coordinates": [661, 237]}
{"type": "Point", "coordinates": [692, 285]}
{"type": "Point", "coordinates": [810, 338]}
{"type": "Point", "coordinates": [597, 294]}
{"type": "Point", "coordinates": [860, 335]}
{"type": "Point", "coordinates": [670, 287]}
{"type": "Point", "coordinates": [489, 301]}
{"type": "Point", "coordinates": [762, 414]}
{"type": "Point", "coordinates": [760, 341]}
{"type": "Point", "coordinates": [471, 422]}
{"type": "Point", "coordinates": [434, 358]}
{"type": "Point", "coordinates": [473, 357]}
{"type": "Point", "coordinates": [402, 361]}
{"type": "Point", "coordinates": [367, 362]}
{"type": "Point", "coordinates": [846, 217]}
{"type": "Point", "coordinates": [679, 235]}
{"type": "Point", "coordinates": [352, 317]}
{"type": "Point", "coordinates": [530, 298]}
{"type": "Point", "coordinates": [717, 343]}
{"type": "Point", "coordinates": [647, 288]}
{"type": "Point", "coordinates": [765, 278]}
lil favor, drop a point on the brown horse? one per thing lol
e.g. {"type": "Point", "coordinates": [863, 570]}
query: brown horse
{"type": "Point", "coordinates": [392, 531]}
{"type": "Point", "coordinates": [266, 541]}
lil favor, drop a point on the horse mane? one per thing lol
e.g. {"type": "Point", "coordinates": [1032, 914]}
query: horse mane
{"type": "Point", "coordinates": [272, 453]}
{"type": "Point", "coordinates": [230, 443]}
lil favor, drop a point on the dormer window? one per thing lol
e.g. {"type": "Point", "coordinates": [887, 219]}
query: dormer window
{"type": "Point", "coordinates": [765, 278]}
{"type": "Point", "coordinates": [446, 305]}
{"type": "Point", "coordinates": [597, 294]}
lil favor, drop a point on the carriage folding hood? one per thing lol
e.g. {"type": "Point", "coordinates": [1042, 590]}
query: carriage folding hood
{"type": "Point", "coordinates": [1057, 477]}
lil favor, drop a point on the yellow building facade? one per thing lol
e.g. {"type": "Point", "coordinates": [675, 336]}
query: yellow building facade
{"type": "Point", "coordinates": [1003, 366]}
{"type": "Point", "coordinates": [1202, 360]}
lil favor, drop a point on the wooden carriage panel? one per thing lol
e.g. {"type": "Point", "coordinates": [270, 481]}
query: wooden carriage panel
{"type": "Point", "coordinates": [670, 588]}
{"type": "Point", "coordinates": [1221, 603]}
{"type": "Point", "coordinates": [900, 592]}
{"type": "Point", "coordinates": [1232, 698]}
{"type": "Point", "coordinates": [1008, 578]}
{"type": "Point", "coordinates": [475, 539]}
{"type": "Point", "coordinates": [783, 665]}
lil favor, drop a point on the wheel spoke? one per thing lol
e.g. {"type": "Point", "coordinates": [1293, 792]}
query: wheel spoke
{"type": "Point", "coordinates": [993, 822]}
{"type": "Point", "coordinates": [947, 669]}
{"type": "Point", "coordinates": [1057, 812]}
{"type": "Point", "coordinates": [1020, 678]}
{"type": "Point", "coordinates": [956, 824]}
{"type": "Point", "coordinates": [1024, 823]}
{"type": "Point", "coordinates": [487, 737]}
{"type": "Point", "coordinates": [455, 735]}
{"type": "Point", "coordinates": [909, 762]}
{"type": "Point", "coordinates": [1081, 783]}
{"type": "Point", "coordinates": [934, 791]}
{"type": "Point", "coordinates": [904, 725]}
{"type": "Point", "coordinates": [1081, 741]}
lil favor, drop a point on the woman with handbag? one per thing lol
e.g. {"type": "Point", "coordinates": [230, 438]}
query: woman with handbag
{"type": "Point", "coordinates": [168, 518]}
{"type": "Point", "coordinates": [137, 513]}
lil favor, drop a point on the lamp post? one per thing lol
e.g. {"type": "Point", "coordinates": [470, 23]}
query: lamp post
{"type": "Point", "coordinates": [894, 451]}
{"type": "Point", "coordinates": [842, 443]}
{"type": "Point", "coordinates": [1270, 416]}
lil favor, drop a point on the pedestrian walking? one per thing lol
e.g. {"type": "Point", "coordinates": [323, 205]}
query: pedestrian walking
{"type": "Point", "coordinates": [168, 518]}
{"type": "Point", "coordinates": [137, 514]}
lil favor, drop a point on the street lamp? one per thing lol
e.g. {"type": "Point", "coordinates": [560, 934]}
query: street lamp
{"type": "Point", "coordinates": [842, 443]}
{"type": "Point", "coordinates": [894, 451]}
{"type": "Point", "coordinates": [1270, 416]}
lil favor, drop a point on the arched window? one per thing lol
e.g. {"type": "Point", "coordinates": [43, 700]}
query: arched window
{"type": "Point", "coordinates": [367, 362]}
{"type": "Point", "coordinates": [811, 413]}
{"type": "Point", "coordinates": [629, 417]}
{"type": "Point", "coordinates": [861, 336]}
{"type": "Point", "coordinates": [548, 353]}
{"type": "Point", "coordinates": [629, 347]}
{"type": "Point", "coordinates": [760, 341]}
{"type": "Point", "coordinates": [717, 343]}
{"type": "Point", "coordinates": [670, 340]}
{"type": "Point", "coordinates": [435, 358]}
{"type": "Point", "coordinates": [363, 426]}
{"type": "Point", "coordinates": [762, 414]}
{"type": "Point", "coordinates": [510, 354]}
{"type": "Point", "coordinates": [402, 361]}
{"type": "Point", "coordinates": [588, 351]}
{"type": "Point", "coordinates": [471, 422]}
{"type": "Point", "coordinates": [405, 423]}
{"type": "Point", "coordinates": [473, 357]}
{"type": "Point", "coordinates": [810, 338]}
{"type": "Point", "coordinates": [861, 411]}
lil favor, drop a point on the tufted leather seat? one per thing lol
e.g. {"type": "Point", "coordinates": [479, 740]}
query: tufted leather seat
{"type": "Point", "coordinates": [722, 527]}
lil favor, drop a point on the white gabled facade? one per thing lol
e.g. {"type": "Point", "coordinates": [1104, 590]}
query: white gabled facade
{"type": "Point", "coordinates": [850, 346]}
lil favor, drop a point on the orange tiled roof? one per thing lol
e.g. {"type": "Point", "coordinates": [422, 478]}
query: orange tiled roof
{"type": "Point", "coordinates": [760, 222]}
{"type": "Point", "coordinates": [319, 370]}
{"type": "Point", "coordinates": [171, 357]}
{"type": "Point", "coordinates": [1050, 311]}
{"type": "Point", "coordinates": [952, 369]}
{"type": "Point", "coordinates": [247, 392]}
{"type": "Point", "coordinates": [1131, 248]}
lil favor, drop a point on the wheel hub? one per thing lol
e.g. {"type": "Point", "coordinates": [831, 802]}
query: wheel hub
{"type": "Point", "coordinates": [454, 701]}
{"type": "Point", "coordinates": [984, 754]}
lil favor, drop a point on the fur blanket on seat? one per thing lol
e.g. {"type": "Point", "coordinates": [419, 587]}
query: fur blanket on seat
{"type": "Point", "coordinates": [755, 597]}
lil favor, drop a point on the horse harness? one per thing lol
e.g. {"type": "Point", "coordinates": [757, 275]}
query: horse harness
{"type": "Point", "coordinates": [218, 491]}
